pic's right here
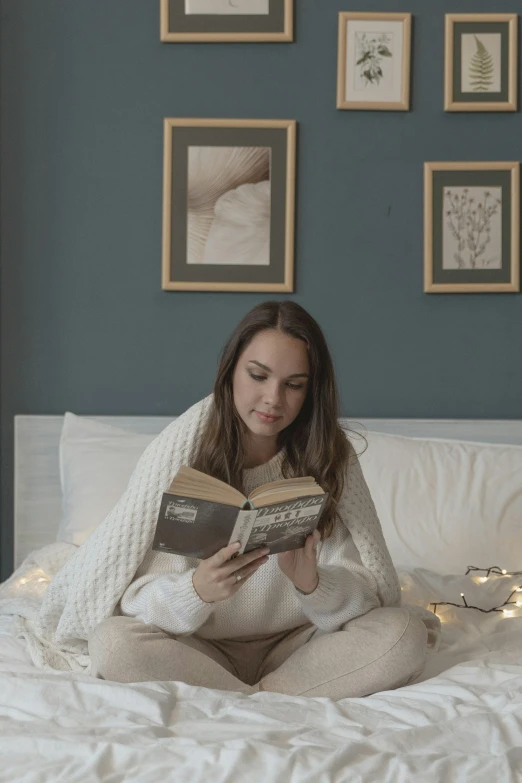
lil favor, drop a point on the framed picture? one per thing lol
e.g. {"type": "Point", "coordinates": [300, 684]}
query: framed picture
{"type": "Point", "coordinates": [480, 72]}
{"type": "Point", "coordinates": [471, 227]}
{"type": "Point", "coordinates": [226, 20]}
{"type": "Point", "coordinates": [228, 205]}
{"type": "Point", "coordinates": [373, 61]}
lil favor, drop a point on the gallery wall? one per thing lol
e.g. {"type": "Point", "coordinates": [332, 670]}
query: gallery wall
{"type": "Point", "coordinates": [85, 324]}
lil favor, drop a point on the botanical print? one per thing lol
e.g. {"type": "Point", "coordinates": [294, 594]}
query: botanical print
{"type": "Point", "coordinates": [241, 7]}
{"type": "Point", "coordinates": [374, 60]}
{"type": "Point", "coordinates": [229, 205]}
{"type": "Point", "coordinates": [472, 228]}
{"type": "Point", "coordinates": [480, 66]}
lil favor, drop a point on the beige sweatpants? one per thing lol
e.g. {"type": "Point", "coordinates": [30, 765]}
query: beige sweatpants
{"type": "Point", "coordinates": [383, 649]}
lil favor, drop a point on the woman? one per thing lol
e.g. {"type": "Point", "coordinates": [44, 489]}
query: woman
{"type": "Point", "coordinates": [314, 621]}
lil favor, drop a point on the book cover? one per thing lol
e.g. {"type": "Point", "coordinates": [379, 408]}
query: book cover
{"type": "Point", "coordinates": [284, 526]}
{"type": "Point", "coordinates": [199, 528]}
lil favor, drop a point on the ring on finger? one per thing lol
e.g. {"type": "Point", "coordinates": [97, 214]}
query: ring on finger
{"type": "Point", "coordinates": [238, 576]}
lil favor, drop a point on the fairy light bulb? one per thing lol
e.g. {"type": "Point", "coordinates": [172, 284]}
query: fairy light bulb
{"type": "Point", "coordinates": [504, 571]}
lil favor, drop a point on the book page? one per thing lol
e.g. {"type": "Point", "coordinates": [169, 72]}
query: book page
{"type": "Point", "coordinates": [285, 489]}
{"type": "Point", "coordinates": [195, 484]}
{"type": "Point", "coordinates": [288, 493]}
{"type": "Point", "coordinates": [304, 480]}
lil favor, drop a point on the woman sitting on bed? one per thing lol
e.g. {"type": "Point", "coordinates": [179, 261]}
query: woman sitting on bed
{"type": "Point", "coordinates": [324, 620]}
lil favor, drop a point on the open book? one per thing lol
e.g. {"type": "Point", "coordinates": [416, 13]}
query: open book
{"type": "Point", "coordinates": [200, 514]}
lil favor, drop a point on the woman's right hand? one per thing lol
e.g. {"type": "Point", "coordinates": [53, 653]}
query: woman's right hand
{"type": "Point", "coordinates": [215, 578]}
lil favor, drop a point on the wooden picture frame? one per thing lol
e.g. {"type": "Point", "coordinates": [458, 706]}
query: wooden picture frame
{"type": "Point", "coordinates": [373, 61]}
{"type": "Point", "coordinates": [213, 20]}
{"type": "Point", "coordinates": [471, 227]}
{"type": "Point", "coordinates": [480, 62]}
{"type": "Point", "coordinates": [228, 205]}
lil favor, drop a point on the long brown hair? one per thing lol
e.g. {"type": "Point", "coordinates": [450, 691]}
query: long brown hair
{"type": "Point", "coordinates": [315, 444]}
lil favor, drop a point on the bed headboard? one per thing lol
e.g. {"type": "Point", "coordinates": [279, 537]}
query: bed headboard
{"type": "Point", "coordinates": [37, 492]}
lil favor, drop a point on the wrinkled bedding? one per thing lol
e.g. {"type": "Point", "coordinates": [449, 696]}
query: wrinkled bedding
{"type": "Point", "coordinates": [460, 721]}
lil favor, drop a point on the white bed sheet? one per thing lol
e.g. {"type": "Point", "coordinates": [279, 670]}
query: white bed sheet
{"type": "Point", "coordinates": [460, 721]}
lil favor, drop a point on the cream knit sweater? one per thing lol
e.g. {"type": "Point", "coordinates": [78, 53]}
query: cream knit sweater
{"type": "Point", "coordinates": [115, 571]}
{"type": "Point", "coordinates": [163, 593]}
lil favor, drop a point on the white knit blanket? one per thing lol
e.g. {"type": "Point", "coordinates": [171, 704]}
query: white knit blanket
{"type": "Point", "coordinates": [81, 586]}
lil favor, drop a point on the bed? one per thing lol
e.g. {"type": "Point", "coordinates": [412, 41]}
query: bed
{"type": "Point", "coordinates": [449, 496]}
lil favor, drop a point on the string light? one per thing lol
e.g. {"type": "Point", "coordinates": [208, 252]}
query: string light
{"type": "Point", "coordinates": [35, 575]}
{"type": "Point", "coordinates": [494, 570]}
{"type": "Point", "coordinates": [497, 571]}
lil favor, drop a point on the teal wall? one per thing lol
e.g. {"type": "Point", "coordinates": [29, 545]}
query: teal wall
{"type": "Point", "coordinates": [85, 325]}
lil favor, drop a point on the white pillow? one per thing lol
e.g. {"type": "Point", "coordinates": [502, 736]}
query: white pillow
{"type": "Point", "coordinates": [445, 504]}
{"type": "Point", "coordinates": [96, 463]}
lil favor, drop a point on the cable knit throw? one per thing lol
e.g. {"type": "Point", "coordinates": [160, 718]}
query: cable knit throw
{"type": "Point", "coordinates": [89, 581]}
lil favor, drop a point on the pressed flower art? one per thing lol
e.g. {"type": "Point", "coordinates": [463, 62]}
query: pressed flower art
{"type": "Point", "coordinates": [471, 226]}
{"type": "Point", "coordinates": [374, 59]}
{"type": "Point", "coordinates": [373, 63]}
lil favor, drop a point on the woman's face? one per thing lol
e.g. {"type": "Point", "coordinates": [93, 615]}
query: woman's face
{"type": "Point", "coordinates": [271, 376]}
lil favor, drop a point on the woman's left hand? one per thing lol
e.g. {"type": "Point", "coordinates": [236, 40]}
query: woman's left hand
{"type": "Point", "coordinates": [300, 565]}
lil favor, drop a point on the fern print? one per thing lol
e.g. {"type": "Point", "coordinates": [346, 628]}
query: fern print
{"type": "Point", "coordinates": [481, 68]}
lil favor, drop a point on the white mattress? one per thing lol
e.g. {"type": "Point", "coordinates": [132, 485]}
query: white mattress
{"type": "Point", "coordinates": [460, 721]}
